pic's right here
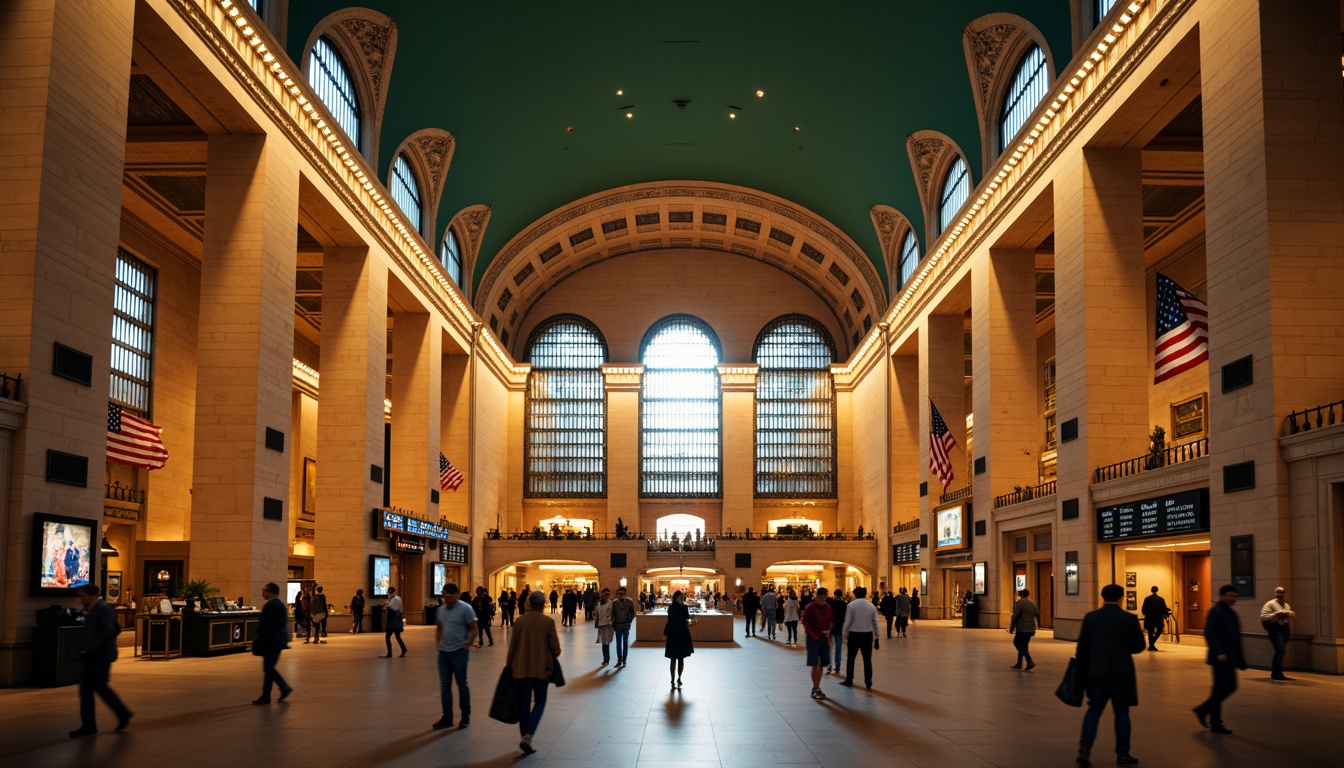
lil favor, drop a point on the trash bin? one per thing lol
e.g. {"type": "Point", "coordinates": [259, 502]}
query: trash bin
{"type": "Point", "coordinates": [431, 618]}
{"type": "Point", "coordinates": [970, 616]}
{"type": "Point", "coordinates": [377, 613]}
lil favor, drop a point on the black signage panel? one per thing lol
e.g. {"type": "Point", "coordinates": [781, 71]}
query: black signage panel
{"type": "Point", "coordinates": [452, 553]}
{"type": "Point", "coordinates": [905, 553]}
{"type": "Point", "coordinates": [408, 545]}
{"type": "Point", "coordinates": [1184, 512]}
{"type": "Point", "coordinates": [390, 522]}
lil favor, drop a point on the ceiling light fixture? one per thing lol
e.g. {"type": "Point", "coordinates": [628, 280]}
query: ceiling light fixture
{"type": "Point", "coordinates": [629, 114]}
{"type": "Point", "coordinates": [620, 92]}
{"type": "Point", "coordinates": [732, 115]}
{"type": "Point", "coordinates": [760, 94]}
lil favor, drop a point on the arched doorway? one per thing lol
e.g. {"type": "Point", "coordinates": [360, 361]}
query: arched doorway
{"type": "Point", "coordinates": [831, 574]}
{"type": "Point", "coordinates": [544, 575]}
{"type": "Point", "coordinates": [679, 525]}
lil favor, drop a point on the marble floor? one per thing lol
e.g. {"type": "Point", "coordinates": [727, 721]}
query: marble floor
{"type": "Point", "coordinates": [944, 696]}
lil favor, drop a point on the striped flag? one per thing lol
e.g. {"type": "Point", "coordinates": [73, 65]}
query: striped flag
{"type": "Point", "coordinates": [449, 476]}
{"type": "Point", "coordinates": [133, 441]}
{"type": "Point", "coordinates": [1182, 330]}
{"type": "Point", "coordinates": [941, 442]}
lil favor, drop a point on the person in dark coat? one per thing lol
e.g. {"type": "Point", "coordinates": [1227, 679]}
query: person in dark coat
{"type": "Point", "coordinates": [751, 603]}
{"type": "Point", "coordinates": [272, 638]}
{"type": "Point", "coordinates": [914, 605]}
{"type": "Point", "coordinates": [1222, 631]}
{"type": "Point", "coordinates": [887, 607]}
{"type": "Point", "coordinates": [678, 632]}
{"type": "Point", "coordinates": [1154, 617]}
{"type": "Point", "coordinates": [101, 624]}
{"type": "Point", "coordinates": [1106, 646]}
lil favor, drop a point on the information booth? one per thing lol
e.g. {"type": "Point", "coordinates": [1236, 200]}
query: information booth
{"type": "Point", "coordinates": [1162, 542]}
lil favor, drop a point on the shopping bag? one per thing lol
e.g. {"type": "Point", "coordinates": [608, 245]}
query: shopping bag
{"type": "Point", "coordinates": [504, 705]}
{"type": "Point", "coordinates": [1070, 690]}
{"type": "Point", "coordinates": [557, 675]}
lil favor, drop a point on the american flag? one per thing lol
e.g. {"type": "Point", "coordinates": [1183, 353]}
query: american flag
{"type": "Point", "coordinates": [133, 441]}
{"type": "Point", "coordinates": [1182, 330]}
{"type": "Point", "coordinates": [449, 476]}
{"type": "Point", "coordinates": [941, 442]}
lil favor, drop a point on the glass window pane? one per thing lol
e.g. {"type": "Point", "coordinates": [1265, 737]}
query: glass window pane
{"type": "Point", "coordinates": [451, 256]}
{"type": "Point", "coordinates": [680, 411]}
{"type": "Point", "coordinates": [1024, 93]}
{"type": "Point", "coordinates": [406, 192]}
{"type": "Point", "coordinates": [956, 188]}
{"type": "Point", "coordinates": [795, 410]}
{"type": "Point", "coordinates": [330, 78]}
{"type": "Point", "coordinates": [909, 257]}
{"type": "Point", "coordinates": [565, 431]}
{"type": "Point", "coordinates": [132, 333]}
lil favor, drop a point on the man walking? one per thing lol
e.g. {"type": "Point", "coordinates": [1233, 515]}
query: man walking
{"type": "Point", "coordinates": [272, 637]}
{"type": "Point", "coordinates": [393, 621]}
{"type": "Point", "coordinates": [1022, 626]}
{"type": "Point", "coordinates": [101, 624]}
{"type": "Point", "coordinates": [602, 621]}
{"type": "Point", "coordinates": [902, 612]}
{"type": "Point", "coordinates": [1106, 646]}
{"type": "Point", "coordinates": [1154, 617]}
{"type": "Point", "coordinates": [357, 612]}
{"type": "Point", "coordinates": [769, 602]}
{"type": "Point", "coordinates": [1275, 616]}
{"type": "Point", "coordinates": [860, 631]}
{"type": "Point", "coordinates": [622, 616]}
{"type": "Point", "coordinates": [751, 603]}
{"type": "Point", "coordinates": [817, 624]}
{"type": "Point", "coordinates": [838, 606]}
{"type": "Point", "coordinates": [454, 631]}
{"type": "Point", "coordinates": [887, 606]}
{"type": "Point", "coordinates": [1222, 632]}
{"type": "Point", "coordinates": [484, 607]}
{"type": "Point", "coordinates": [317, 612]}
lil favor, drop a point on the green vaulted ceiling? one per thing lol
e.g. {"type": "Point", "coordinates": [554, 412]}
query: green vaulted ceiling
{"type": "Point", "coordinates": [855, 77]}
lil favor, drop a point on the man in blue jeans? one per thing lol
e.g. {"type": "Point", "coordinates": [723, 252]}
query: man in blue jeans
{"type": "Point", "coordinates": [622, 616]}
{"type": "Point", "coordinates": [455, 631]}
{"type": "Point", "coordinates": [1106, 646]}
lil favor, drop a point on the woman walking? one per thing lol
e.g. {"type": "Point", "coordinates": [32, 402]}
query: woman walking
{"type": "Point", "coordinates": [678, 632]}
{"type": "Point", "coordinates": [533, 648]}
{"type": "Point", "coordinates": [791, 618]}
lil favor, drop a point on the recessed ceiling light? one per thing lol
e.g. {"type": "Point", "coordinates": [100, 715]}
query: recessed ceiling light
{"type": "Point", "coordinates": [629, 114]}
{"type": "Point", "coordinates": [732, 115]}
{"type": "Point", "coordinates": [797, 128]}
{"type": "Point", "coordinates": [620, 92]}
{"type": "Point", "coordinates": [569, 129]}
{"type": "Point", "coordinates": [760, 94]}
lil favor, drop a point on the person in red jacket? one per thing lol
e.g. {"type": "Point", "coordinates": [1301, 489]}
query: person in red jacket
{"type": "Point", "coordinates": [817, 623]}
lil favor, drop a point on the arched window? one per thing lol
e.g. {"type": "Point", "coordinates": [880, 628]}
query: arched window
{"type": "Point", "coordinates": [451, 256]}
{"type": "Point", "coordinates": [565, 434]}
{"type": "Point", "coordinates": [406, 192]}
{"type": "Point", "coordinates": [1103, 7]}
{"type": "Point", "coordinates": [909, 258]}
{"type": "Point", "coordinates": [680, 411]}
{"type": "Point", "coordinates": [795, 410]}
{"type": "Point", "coordinates": [1026, 91]}
{"type": "Point", "coordinates": [956, 188]}
{"type": "Point", "coordinates": [330, 78]}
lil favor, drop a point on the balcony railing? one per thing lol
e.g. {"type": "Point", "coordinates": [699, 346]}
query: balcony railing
{"type": "Point", "coordinates": [908, 525]}
{"type": "Point", "coordinates": [665, 545]}
{"type": "Point", "coordinates": [1314, 418]}
{"type": "Point", "coordinates": [118, 492]}
{"type": "Point", "coordinates": [1026, 494]}
{"type": "Point", "coordinates": [9, 386]}
{"type": "Point", "coordinates": [673, 545]}
{"type": "Point", "coordinates": [957, 495]}
{"type": "Point", "coordinates": [1175, 454]}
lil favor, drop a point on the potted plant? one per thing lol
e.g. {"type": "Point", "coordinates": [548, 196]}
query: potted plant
{"type": "Point", "coordinates": [1157, 445]}
{"type": "Point", "coordinates": [193, 589]}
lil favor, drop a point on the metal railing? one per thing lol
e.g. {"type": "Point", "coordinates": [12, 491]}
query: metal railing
{"type": "Point", "coordinates": [1314, 418]}
{"type": "Point", "coordinates": [1175, 454]}
{"type": "Point", "coordinates": [657, 544]}
{"type": "Point", "coordinates": [673, 545]}
{"type": "Point", "coordinates": [117, 492]}
{"type": "Point", "coordinates": [957, 495]}
{"type": "Point", "coordinates": [1025, 494]}
{"type": "Point", "coordinates": [9, 386]}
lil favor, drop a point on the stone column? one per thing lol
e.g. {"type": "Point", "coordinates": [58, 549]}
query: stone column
{"type": "Point", "coordinates": [417, 400]}
{"type": "Point", "coordinates": [64, 82]}
{"type": "Point", "coordinates": [455, 434]}
{"type": "Point", "coordinates": [942, 381]}
{"type": "Point", "coordinates": [350, 416]}
{"type": "Point", "coordinates": [1103, 354]}
{"type": "Point", "coordinates": [1008, 428]}
{"type": "Point", "coordinates": [905, 472]}
{"type": "Point", "coordinates": [244, 364]}
{"type": "Point", "coordinates": [1274, 175]}
{"type": "Point", "coordinates": [622, 384]}
{"type": "Point", "coordinates": [738, 385]}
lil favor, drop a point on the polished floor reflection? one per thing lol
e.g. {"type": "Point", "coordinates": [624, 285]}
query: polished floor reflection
{"type": "Point", "coordinates": [942, 697]}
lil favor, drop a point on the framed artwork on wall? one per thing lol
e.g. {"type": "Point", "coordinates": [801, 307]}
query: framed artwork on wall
{"type": "Point", "coordinates": [1187, 417]}
{"type": "Point", "coordinates": [309, 487]}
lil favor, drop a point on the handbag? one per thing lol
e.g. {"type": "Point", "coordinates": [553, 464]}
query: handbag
{"type": "Point", "coordinates": [256, 647]}
{"type": "Point", "coordinates": [1070, 690]}
{"type": "Point", "coordinates": [504, 705]}
{"type": "Point", "coordinates": [557, 675]}
{"type": "Point", "coordinates": [319, 617]}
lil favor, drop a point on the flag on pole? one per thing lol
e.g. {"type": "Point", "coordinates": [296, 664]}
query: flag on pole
{"type": "Point", "coordinates": [133, 441]}
{"type": "Point", "coordinates": [941, 442]}
{"type": "Point", "coordinates": [449, 476]}
{"type": "Point", "coordinates": [1182, 330]}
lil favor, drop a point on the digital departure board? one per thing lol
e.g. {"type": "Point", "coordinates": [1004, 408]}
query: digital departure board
{"type": "Point", "coordinates": [1182, 512]}
{"type": "Point", "coordinates": [905, 553]}
{"type": "Point", "coordinates": [452, 553]}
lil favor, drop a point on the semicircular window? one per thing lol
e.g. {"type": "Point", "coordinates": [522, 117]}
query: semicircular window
{"type": "Point", "coordinates": [1024, 92]}
{"type": "Point", "coordinates": [680, 414]}
{"type": "Point", "coordinates": [795, 410]}
{"type": "Point", "coordinates": [330, 78]}
{"type": "Point", "coordinates": [565, 435]}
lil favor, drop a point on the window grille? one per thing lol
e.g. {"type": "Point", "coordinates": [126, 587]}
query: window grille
{"type": "Point", "coordinates": [451, 256]}
{"type": "Point", "coordinates": [565, 434]}
{"type": "Point", "coordinates": [680, 411]}
{"type": "Point", "coordinates": [909, 258]}
{"type": "Point", "coordinates": [1103, 7]}
{"type": "Point", "coordinates": [132, 333]}
{"type": "Point", "coordinates": [795, 410]}
{"type": "Point", "coordinates": [260, 6]}
{"type": "Point", "coordinates": [956, 188]}
{"type": "Point", "coordinates": [330, 78]}
{"type": "Point", "coordinates": [1026, 91]}
{"type": "Point", "coordinates": [406, 192]}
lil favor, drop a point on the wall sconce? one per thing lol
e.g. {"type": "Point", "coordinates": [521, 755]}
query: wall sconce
{"type": "Point", "coordinates": [623, 582]}
{"type": "Point", "coordinates": [739, 582]}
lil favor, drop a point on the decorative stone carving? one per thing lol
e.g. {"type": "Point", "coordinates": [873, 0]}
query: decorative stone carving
{"type": "Point", "coordinates": [987, 46]}
{"type": "Point", "coordinates": [890, 224]}
{"type": "Point", "coordinates": [374, 41]}
{"type": "Point", "coordinates": [470, 224]}
{"type": "Point", "coordinates": [437, 149]}
{"type": "Point", "coordinates": [924, 155]}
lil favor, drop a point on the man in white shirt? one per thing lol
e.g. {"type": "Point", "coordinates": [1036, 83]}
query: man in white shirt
{"type": "Point", "coordinates": [393, 621]}
{"type": "Point", "coordinates": [860, 629]}
{"type": "Point", "coordinates": [1275, 616]}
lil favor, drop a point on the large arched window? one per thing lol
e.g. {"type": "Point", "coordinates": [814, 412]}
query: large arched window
{"type": "Point", "coordinates": [680, 411]}
{"type": "Point", "coordinates": [330, 78]}
{"type": "Point", "coordinates": [451, 256]}
{"type": "Point", "coordinates": [909, 257]}
{"type": "Point", "coordinates": [406, 192]}
{"type": "Point", "coordinates": [565, 433]}
{"type": "Point", "coordinates": [956, 188]}
{"type": "Point", "coordinates": [1028, 87]}
{"type": "Point", "coordinates": [795, 410]}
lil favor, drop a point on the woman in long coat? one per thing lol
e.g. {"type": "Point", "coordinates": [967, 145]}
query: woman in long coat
{"type": "Point", "coordinates": [678, 632]}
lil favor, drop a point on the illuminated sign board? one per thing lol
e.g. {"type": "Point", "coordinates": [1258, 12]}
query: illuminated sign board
{"type": "Point", "coordinates": [452, 553]}
{"type": "Point", "coordinates": [390, 522]}
{"type": "Point", "coordinates": [905, 553]}
{"type": "Point", "coordinates": [408, 545]}
{"type": "Point", "coordinates": [1184, 512]}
